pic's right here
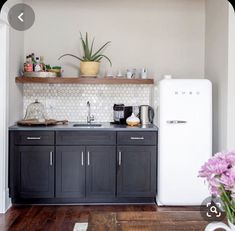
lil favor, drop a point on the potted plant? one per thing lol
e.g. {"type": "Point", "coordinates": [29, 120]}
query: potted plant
{"type": "Point", "coordinates": [219, 172]}
{"type": "Point", "coordinates": [55, 69]}
{"type": "Point", "coordinates": [90, 61]}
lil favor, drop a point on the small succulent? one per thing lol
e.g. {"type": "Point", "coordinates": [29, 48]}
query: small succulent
{"type": "Point", "coordinates": [89, 54]}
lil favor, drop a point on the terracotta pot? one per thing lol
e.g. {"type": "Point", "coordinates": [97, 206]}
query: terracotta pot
{"type": "Point", "coordinates": [89, 69]}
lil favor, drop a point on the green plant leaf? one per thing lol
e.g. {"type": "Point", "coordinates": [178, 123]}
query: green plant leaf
{"type": "Point", "coordinates": [74, 56]}
{"type": "Point", "coordinates": [99, 57]}
{"type": "Point", "coordinates": [87, 51]}
{"type": "Point", "coordinates": [98, 52]}
{"type": "Point", "coordinates": [92, 44]}
{"type": "Point", "coordinates": [85, 48]}
{"type": "Point", "coordinates": [107, 59]}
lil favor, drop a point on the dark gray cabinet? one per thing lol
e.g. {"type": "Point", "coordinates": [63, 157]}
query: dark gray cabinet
{"type": "Point", "coordinates": [92, 168]}
{"type": "Point", "coordinates": [139, 138]}
{"type": "Point", "coordinates": [82, 166]}
{"type": "Point", "coordinates": [101, 171]}
{"type": "Point", "coordinates": [36, 171]}
{"type": "Point", "coordinates": [85, 171]}
{"type": "Point", "coordinates": [70, 171]}
{"type": "Point", "coordinates": [136, 173]}
{"type": "Point", "coordinates": [34, 138]}
{"type": "Point", "coordinates": [85, 138]}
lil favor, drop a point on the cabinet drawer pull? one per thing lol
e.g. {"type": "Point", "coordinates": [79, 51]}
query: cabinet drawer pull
{"type": "Point", "coordinates": [119, 158]}
{"type": "Point", "coordinates": [51, 158]}
{"type": "Point", "coordinates": [33, 138]}
{"type": "Point", "coordinates": [88, 158]}
{"type": "Point", "coordinates": [137, 138]}
{"type": "Point", "coordinates": [82, 159]}
{"type": "Point", "coordinates": [176, 121]}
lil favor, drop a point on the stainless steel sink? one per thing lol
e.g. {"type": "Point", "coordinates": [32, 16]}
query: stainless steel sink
{"type": "Point", "coordinates": [87, 125]}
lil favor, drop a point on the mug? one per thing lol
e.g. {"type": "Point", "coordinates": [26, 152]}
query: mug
{"type": "Point", "coordinates": [129, 74]}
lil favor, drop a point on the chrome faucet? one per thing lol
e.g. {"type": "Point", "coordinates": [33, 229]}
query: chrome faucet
{"type": "Point", "coordinates": [90, 117]}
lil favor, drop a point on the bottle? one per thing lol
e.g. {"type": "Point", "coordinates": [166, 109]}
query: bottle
{"type": "Point", "coordinates": [25, 64]}
{"type": "Point", "coordinates": [37, 66]}
{"type": "Point", "coordinates": [29, 64]}
{"type": "Point", "coordinates": [33, 61]}
{"type": "Point", "coordinates": [143, 73]}
{"type": "Point", "coordinates": [42, 64]}
{"type": "Point", "coordinates": [33, 58]}
{"type": "Point", "coordinates": [129, 74]}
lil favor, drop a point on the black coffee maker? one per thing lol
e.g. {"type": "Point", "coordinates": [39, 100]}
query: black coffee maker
{"type": "Point", "coordinates": [121, 113]}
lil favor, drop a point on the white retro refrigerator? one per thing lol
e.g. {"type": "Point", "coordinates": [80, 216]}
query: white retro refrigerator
{"type": "Point", "coordinates": [185, 140]}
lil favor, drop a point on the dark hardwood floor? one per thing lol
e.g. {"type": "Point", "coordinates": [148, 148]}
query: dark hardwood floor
{"type": "Point", "coordinates": [63, 218]}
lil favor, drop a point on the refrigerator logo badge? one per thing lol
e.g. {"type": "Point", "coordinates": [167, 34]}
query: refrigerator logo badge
{"type": "Point", "coordinates": [187, 93]}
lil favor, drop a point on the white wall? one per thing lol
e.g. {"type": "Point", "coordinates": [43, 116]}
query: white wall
{"type": "Point", "coordinates": [3, 113]}
{"type": "Point", "coordinates": [16, 60]}
{"type": "Point", "coordinates": [166, 36]}
{"type": "Point", "coordinates": [231, 81]}
{"type": "Point", "coordinates": [216, 67]}
{"type": "Point", "coordinates": [16, 64]}
{"type": "Point", "coordinates": [11, 101]}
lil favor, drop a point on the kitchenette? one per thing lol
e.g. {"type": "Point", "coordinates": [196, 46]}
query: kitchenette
{"type": "Point", "coordinates": [108, 111]}
{"type": "Point", "coordinates": [117, 115]}
{"type": "Point", "coordinates": [84, 162]}
{"type": "Point", "coordinates": [83, 141]}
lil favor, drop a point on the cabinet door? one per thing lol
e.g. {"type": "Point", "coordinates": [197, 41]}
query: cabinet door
{"type": "Point", "coordinates": [101, 171]}
{"type": "Point", "coordinates": [70, 171]}
{"type": "Point", "coordinates": [36, 171]}
{"type": "Point", "coordinates": [136, 176]}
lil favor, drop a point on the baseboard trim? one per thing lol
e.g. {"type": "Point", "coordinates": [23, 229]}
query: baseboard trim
{"type": "Point", "coordinates": [6, 202]}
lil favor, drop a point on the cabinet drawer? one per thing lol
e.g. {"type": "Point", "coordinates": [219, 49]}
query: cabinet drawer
{"type": "Point", "coordinates": [85, 138]}
{"type": "Point", "coordinates": [34, 138]}
{"type": "Point", "coordinates": [137, 138]}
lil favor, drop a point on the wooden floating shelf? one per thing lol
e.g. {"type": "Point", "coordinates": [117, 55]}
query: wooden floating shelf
{"type": "Point", "coordinates": [84, 80]}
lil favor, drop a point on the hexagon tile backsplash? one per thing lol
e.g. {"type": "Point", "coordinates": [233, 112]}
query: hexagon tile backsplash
{"type": "Point", "coordinates": [68, 101]}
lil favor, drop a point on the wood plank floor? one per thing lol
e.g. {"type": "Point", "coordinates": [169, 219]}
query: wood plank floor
{"type": "Point", "coordinates": [63, 218]}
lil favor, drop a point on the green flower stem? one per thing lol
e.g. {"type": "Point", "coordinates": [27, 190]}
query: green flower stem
{"type": "Point", "coordinates": [228, 206]}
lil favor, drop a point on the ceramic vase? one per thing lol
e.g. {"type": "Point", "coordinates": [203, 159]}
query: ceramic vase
{"type": "Point", "coordinates": [220, 225]}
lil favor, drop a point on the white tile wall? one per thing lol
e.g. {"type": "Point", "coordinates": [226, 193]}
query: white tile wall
{"type": "Point", "coordinates": [68, 101]}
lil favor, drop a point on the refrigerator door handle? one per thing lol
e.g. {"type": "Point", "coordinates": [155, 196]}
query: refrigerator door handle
{"type": "Point", "coordinates": [176, 121]}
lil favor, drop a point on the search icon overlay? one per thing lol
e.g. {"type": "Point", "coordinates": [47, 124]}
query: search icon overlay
{"type": "Point", "coordinates": [212, 209]}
